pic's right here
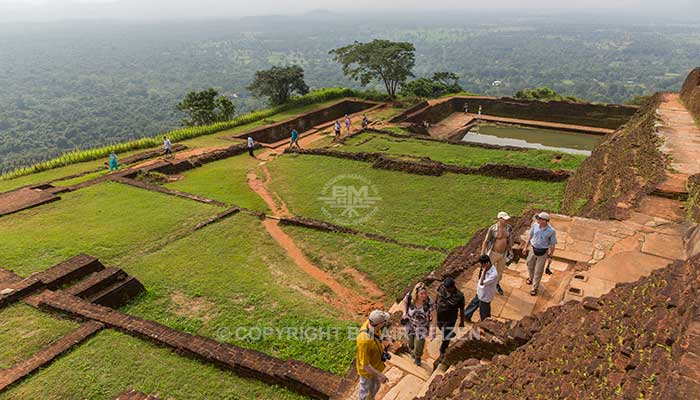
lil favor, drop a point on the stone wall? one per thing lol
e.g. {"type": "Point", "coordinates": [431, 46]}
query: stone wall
{"type": "Point", "coordinates": [282, 130]}
{"type": "Point", "coordinates": [622, 168]}
{"type": "Point", "coordinates": [690, 93]}
{"type": "Point", "coordinates": [597, 115]}
{"type": "Point", "coordinates": [641, 340]}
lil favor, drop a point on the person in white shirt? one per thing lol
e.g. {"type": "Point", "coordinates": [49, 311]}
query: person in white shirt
{"type": "Point", "coordinates": [251, 146]}
{"type": "Point", "coordinates": [167, 147]}
{"type": "Point", "coordinates": [485, 290]}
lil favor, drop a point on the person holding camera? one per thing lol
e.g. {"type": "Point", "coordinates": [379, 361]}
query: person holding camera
{"type": "Point", "coordinates": [416, 318]}
{"type": "Point", "coordinates": [543, 240]}
{"type": "Point", "coordinates": [485, 290]}
{"type": "Point", "coordinates": [371, 355]}
{"type": "Point", "coordinates": [449, 305]}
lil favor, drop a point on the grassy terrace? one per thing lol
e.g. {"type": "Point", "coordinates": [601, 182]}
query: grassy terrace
{"type": "Point", "coordinates": [108, 220]}
{"type": "Point", "coordinates": [213, 140]}
{"type": "Point", "coordinates": [112, 362]}
{"type": "Point", "coordinates": [390, 266]}
{"type": "Point", "coordinates": [25, 330]}
{"type": "Point", "coordinates": [465, 156]}
{"type": "Point", "coordinates": [439, 211]}
{"type": "Point", "coordinates": [232, 274]}
{"type": "Point", "coordinates": [223, 180]}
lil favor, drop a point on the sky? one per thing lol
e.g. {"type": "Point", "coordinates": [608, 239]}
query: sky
{"type": "Point", "coordinates": [40, 10]}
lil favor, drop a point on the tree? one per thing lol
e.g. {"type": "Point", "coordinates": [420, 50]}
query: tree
{"type": "Point", "coordinates": [440, 84]}
{"type": "Point", "coordinates": [543, 94]}
{"type": "Point", "coordinates": [278, 84]}
{"type": "Point", "coordinates": [205, 108]}
{"type": "Point", "coordinates": [384, 60]}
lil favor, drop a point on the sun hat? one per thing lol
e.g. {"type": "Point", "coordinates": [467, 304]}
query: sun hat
{"type": "Point", "coordinates": [543, 215]}
{"type": "Point", "coordinates": [448, 283]}
{"type": "Point", "coordinates": [484, 259]}
{"type": "Point", "coordinates": [377, 317]}
{"type": "Point", "coordinates": [503, 215]}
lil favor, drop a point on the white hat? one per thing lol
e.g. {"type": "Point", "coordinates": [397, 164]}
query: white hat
{"type": "Point", "coordinates": [503, 215]}
{"type": "Point", "coordinates": [543, 215]}
{"type": "Point", "coordinates": [377, 317]}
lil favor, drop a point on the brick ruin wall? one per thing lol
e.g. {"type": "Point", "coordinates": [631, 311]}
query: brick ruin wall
{"type": "Point", "coordinates": [281, 130]}
{"type": "Point", "coordinates": [622, 168]}
{"type": "Point", "coordinates": [596, 115]}
{"type": "Point", "coordinates": [690, 93]}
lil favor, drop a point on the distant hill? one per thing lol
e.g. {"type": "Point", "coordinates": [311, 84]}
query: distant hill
{"type": "Point", "coordinates": [80, 84]}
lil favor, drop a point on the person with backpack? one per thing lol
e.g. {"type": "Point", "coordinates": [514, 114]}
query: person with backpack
{"type": "Point", "coordinates": [449, 305]}
{"type": "Point", "coordinates": [371, 354]}
{"type": "Point", "coordinates": [543, 241]}
{"type": "Point", "coordinates": [416, 318]}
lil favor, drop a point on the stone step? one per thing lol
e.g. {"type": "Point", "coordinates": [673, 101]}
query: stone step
{"type": "Point", "coordinates": [68, 271]}
{"type": "Point", "coordinates": [97, 282]}
{"type": "Point", "coordinates": [118, 293]}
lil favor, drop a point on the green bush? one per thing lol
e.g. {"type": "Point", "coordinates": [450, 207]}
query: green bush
{"type": "Point", "coordinates": [178, 135]}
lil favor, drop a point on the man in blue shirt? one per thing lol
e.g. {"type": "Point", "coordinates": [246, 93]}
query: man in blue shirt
{"type": "Point", "coordinates": [543, 241]}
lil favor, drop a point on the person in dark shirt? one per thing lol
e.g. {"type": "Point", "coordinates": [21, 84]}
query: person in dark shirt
{"type": "Point", "coordinates": [449, 305]}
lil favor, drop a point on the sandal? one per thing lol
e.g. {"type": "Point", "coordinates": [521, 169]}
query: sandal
{"type": "Point", "coordinates": [528, 281]}
{"type": "Point", "coordinates": [533, 292]}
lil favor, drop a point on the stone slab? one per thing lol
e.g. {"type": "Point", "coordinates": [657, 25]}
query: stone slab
{"type": "Point", "coordinates": [667, 246]}
{"type": "Point", "coordinates": [407, 389]}
{"type": "Point", "coordinates": [519, 304]}
{"type": "Point", "coordinates": [405, 363]}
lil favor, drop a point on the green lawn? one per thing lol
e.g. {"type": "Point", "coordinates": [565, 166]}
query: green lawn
{"type": "Point", "coordinates": [233, 274]}
{"type": "Point", "coordinates": [223, 180]}
{"type": "Point", "coordinates": [108, 221]}
{"type": "Point", "coordinates": [112, 362]}
{"type": "Point", "coordinates": [465, 156]}
{"type": "Point", "coordinates": [391, 267]}
{"type": "Point", "coordinates": [439, 211]}
{"type": "Point", "coordinates": [25, 330]}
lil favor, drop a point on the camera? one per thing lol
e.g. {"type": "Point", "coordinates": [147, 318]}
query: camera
{"type": "Point", "coordinates": [386, 356]}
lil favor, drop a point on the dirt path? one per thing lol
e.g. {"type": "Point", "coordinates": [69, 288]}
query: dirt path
{"type": "Point", "coordinates": [359, 304]}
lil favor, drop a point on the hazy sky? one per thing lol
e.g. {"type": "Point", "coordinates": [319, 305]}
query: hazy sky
{"type": "Point", "coordinates": [13, 10]}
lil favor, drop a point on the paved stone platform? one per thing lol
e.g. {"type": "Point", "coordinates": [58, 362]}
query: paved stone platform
{"type": "Point", "coordinates": [24, 198]}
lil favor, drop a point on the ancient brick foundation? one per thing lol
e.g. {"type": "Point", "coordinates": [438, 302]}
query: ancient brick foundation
{"type": "Point", "coordinates": [586, 114]}
{"type": "Point", "coordinates": [281, 130]}
{"type": "Point", "coordinates": [426, 166]}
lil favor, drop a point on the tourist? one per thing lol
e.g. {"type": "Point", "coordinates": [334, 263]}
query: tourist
{"type": "Point", "coordinates": [295, 139]}
{"type": "Point", "coordinates": [485, 290]}
{"type": "Point", "coordinates": [251, 146]}
{"type": "Point", "coordinates": [417, 317]}
{"type": "Point", "coordinates": [479, 110]}
{"type": "Point", "coordinates": [167, 146]}
{"type": "Point", "coordinates": [113, 162]}
{"type": "Point", "coordinates": [371, 355]}
{"type": "Point", "coordinates": [497, 245]}
{"type": "Point", "coordinates": [365, 121]}
{"type": "Point", "coordinates": [336, 129]}
{"type": "Point", "coordinates": [348, 123]}
{"type": "Point", "coordinates": [449, 305]}
{"type": "Point", "coordinates": [543, 240]}
{"type": "Point", "coordinates": [466, 108]}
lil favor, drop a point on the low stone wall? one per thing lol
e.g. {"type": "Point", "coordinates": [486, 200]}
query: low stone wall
{"type": "Point", "coordinates": [690, 93]}
{"type": "Point", "coordinates": [412, 110]}
{"type": "Point", "coordinates": [161, 189]}
{"type": "Point", "coordinates": [427, 166]}
{"type": "Point", "coordinates": [48, 354]}
{"type": "Point", "coordinates": [446, 141]}
{"type": "Point", "coordinates": [282, 130]}
{"type": "Point", "coordinates": [177, 167]}
{"type": "Point", "coordinates": [597, 115]}
{"type": "Point", "coordinates": [294, 375]}
{"type": "Point", "coordinates": [328, 227]}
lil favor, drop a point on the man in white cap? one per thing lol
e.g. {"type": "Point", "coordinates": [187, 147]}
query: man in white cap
{"type": "Point", "coordinates": [497, 245]}
{"type": "Point", "coordinates": [370, 356]}
{"type": "Point", "coordinates": [543, 240]}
